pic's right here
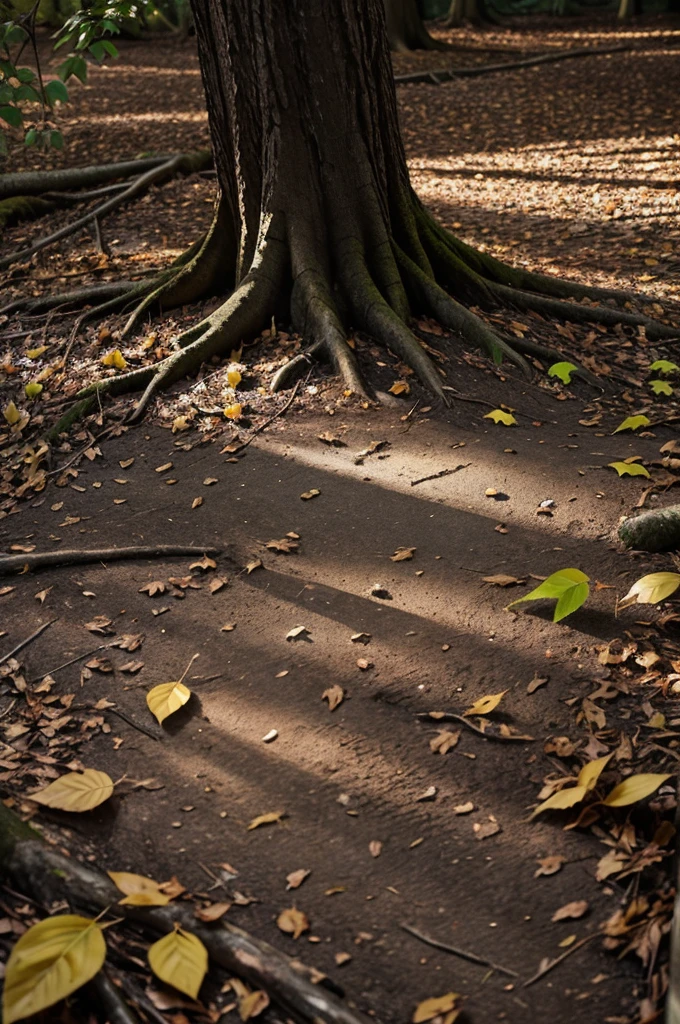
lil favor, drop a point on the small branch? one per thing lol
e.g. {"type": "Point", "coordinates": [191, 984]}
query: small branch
{"type": "Point", "coordinates": [111, 1001]}
{"type": "Point", "coordinates": [263, 426]}
{"type": "Point", "coordinates": [450, 716]}
{"type": "Point", "coordinates": [43, 559]}
{"type": "Point", "coordinates": [26, 642]}
{"type": "Point", "coordinates": [66, 664]}
{"type": "Point", "coordinates": [442, 472]}
{"type": "Point", "coordinates": [558, 959]}
{"type": "Point", "coordinates": [135, 725]}
{"type": "Point", "coordinates": [464, 954]}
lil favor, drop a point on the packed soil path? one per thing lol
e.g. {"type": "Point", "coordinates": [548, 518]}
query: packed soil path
{"type": "Point", "coordinates": [392, 832]}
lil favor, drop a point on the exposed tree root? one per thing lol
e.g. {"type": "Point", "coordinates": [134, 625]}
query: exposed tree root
{"type": "Point", "coordinates": [49, 877]}
{"type": "Point", "coordinates": [181, 164]}
{"type": "Point", "coordinates": [45, 559]}
{"type": "Point", "coordinates": [77, 297]}
{"type": "Point", "coordinates": [449, 74]}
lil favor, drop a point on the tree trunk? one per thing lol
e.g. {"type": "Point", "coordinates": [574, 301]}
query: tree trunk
{"type": "Point", "coordinates": [317, 222]}
{"type": "Point", "coordinates": [405, 28]}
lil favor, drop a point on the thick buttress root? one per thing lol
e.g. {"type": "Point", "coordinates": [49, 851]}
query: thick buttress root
{"type": "Point", "coordinates": [361, 275]}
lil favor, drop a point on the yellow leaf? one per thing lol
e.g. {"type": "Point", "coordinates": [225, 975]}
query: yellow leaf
{"type": "Point", "coordinates": [402, 555]}
{"type": "Point", "coordinates": [180, 423]}
{"type": "Point", "coordinates": [114, 358]}
{"type": "Point", "coordinates": [661, 387]}
{"type": "Point", "coordinates": [498, 416]}
{"type": "Point", "coordinates": [232, 412]}
{"type": "Point", "coordinates": [253, 1004]}
{"type": "Point", "coordinates": [49, 962]}
{"type": "Point", "coordinates": [35, 353]}
{"type": "Point", "coordinates": [634, 788]}
{"type": "Point", "coordinates": [314, 492]}
{"type": "Point", "coordinates": [400, 387]}
{"type": "Point", "coordinates": [11, 413]}
{"type": "Point", "coordinates": [632, 423]}
{"type": "Point", "coordinates": [562, 800]}
{"type": "Point", "coordinates": [76, 791]}
{"type": "Point", "coordinates": [266, 819]}
{"type": "Point", "coordinates": [33, 389]}
{"type": "Point", "coordinates": [431, 1008]}
{"type": "Point", "coordinates": [591, 772]}
{"type": "Point", "coordinates": [334, 695]}
{"type": "Point", "coordinates": [233, 378]}
{"type": "Point", "coordinates": [180, 959]}
{"type": "Point", "coordinates": [485, 705]}
{"type": "Point", "coordinates": [651, 589]}
{"type": "Point", "coordinates": [139, 890]}
{"type": "Point", "coordinates": [293, 922]}
{"type": "Point", "coordinates": [166, 698]}
{"type": "Point", "coordinates": [629, 469]}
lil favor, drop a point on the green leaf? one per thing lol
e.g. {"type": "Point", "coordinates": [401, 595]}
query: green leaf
{"type": "Point", "coordinates": [14, 34]}
{"type": "Point", "coordinates": [33, 389]}
{"type": "Point", "coordinates": [56, 139]}
{"type": "Point", "coordinates": [56, 92]}
{"type": "Point", "coordinates": [563, 371]}
{"type": "Point", "coordinates": [25, 75]}
{"type": "Point", "coordinates": [632, 423]}
{"type": "Point", "coordinates": [665, 366]}
{"type": "Point", "coordinates": [661, 387]}
{"type": "Point", "coordinates": [629, 469]}
{"type": "Point", "coordinates": [651, 589]}
{"type": "Point", "coordinates": [12, 115]}
{"type": "Point", "coordinates": [49, 962]}
{"type": "Point", "coordinates": [569, 586]}
{"type": "Point", "coordinates": [499, 416]}
{"type": "Point", "coordinates": [74, 66]}
{"type": "Point", "coordinates": [26, 94]}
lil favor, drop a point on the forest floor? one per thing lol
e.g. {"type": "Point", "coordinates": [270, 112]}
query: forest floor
{"type": "Point", "coordinates": [570, 168]}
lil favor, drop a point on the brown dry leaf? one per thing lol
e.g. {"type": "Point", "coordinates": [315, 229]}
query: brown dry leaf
{"type": "Point", "coordinates": [253, 1004]}
{"type": "Point", "coordinates": [612, 862]}
{"type": "Point", "coordinates": [204, 564]}
{"type": "Point", "coordinates": [100, 624]}
{"type": "Point", "coordinates": [164, 468]}
{"type": "Point", "coordinates": [228, 627]}
{"type": "Point", "coordinates": [429, 794]}
{"type": "Point", "coordinates": [157, 587]}
{"type": "Point", "coordinates": [42, 594]}
{"type": "Point", "coordinates": [400, 387]}
{"type": "Point", "coordinates": [570, 911]}
{"type": "Point", "coordinates": [342, 958]}
{"type": "Point", "coordinates": [485, 829]}
{"type": "Point", "coordinates": [313, 492]}
{"type": "Point", "coordinates": [332, 440]}
{"type": "Point", "coordinates": [296, 632]}
{"type": "Point", "coordinates": [217, 583]}
{"type": "Point", "coordinates": [364, 664]}
{"type": "Point", "coordinates": [402, 555]}
{"type": "Point", "coordinates": [132, 666]}
{"type": "Point", "coordinates": [466, 808]}
{"type": "Point", "coordinates": [293, 922]}
{"type": "Point", "coordinates": [252, 566]}
{"type": "Point", "coordinates": [536, 683]}
{"type": "Point", "coordinates": [6, 590]}
{"type": "Point", "coordinates": [356, 638]}
{"type": "Point", "coordinates": [375, 847]}
{"type": "Point", "coordinates": [501, 580]}
{"type": "Point", "coordinates": [197, 502]}
{"type": "Point", "coordinates": [126, 463]}
{"type": "Point", "coordinates": [444, 741]}
{"type": "Point", "coordinates": [296, 878]}
{"type": "Point", "coordinates": [213, 912]}
{"type": "Point", "coordinates": [283, 546]}
{"type": "Point", "coordinates": [334, 695]}
{"type": "Point", "coordinates": [266, 819]}
{"type": "Point", "coordinates": [172, 888]}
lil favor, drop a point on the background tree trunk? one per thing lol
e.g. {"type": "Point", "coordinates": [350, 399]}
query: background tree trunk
{"type": "Point", "coordinates": [405, 28]}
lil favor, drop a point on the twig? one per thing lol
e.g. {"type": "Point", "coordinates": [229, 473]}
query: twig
{"type": "Point", "coordinates": [44, 559]}
{"type": "Point", "coordinates": [111, 1001]}
{"type": "Point", "coordinates": [464, 954]}
{"type": "Point", "coordinates": [135, 725]}
{"type": "Point", "coordinates": [448, 74]}
{"type": "Point", "coordinates": [26, 642]}
{"type": "Point", "coordinates": [263, 426]}
{"type": "Point", "coordinates": [66, 664]}
{"type": "Point", "coordinates": [442, 472]}
{"type": "Point", "coordinates": [558, 959]}
{"type": "Point", "coordinates": [450, 716]}
{"type": "Point", "coordinates": [3, 714]}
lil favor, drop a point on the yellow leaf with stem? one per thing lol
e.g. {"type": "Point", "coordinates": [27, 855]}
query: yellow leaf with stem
{"type": "Point", "coordinates": [49, 962]}
{"type": "Point", "coordinates": [76, 791]}
{"type": "Point", "coordinates": [562, 800]}
{"type": "Point", "coordinates": [651, 589]}
{"type": "Point", "coordinates": [591, 772]}
{"type": "Point", "coordinates": [180, 959]}
{"type": "Point", "coordinates": [139, 890]}
{"type": "Point", "coordinates": [166, 698]}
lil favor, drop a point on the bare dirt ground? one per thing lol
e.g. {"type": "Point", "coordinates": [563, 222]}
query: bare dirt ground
{"type": "Point", "coordinates": [571, 168]}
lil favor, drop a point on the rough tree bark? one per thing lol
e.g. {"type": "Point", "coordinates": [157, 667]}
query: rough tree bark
{"type": "Point", "coordinates": [317, 222]}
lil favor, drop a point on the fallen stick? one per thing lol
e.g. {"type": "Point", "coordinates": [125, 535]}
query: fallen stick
{"type": "Point", "coordinates": [558, 959]}
{"type": "Point", "coordinates": [35, 183]}
{"type": "Point", "coordinates": [451, 716]}
{"type": "Point", "coordinates": [35, 867]}
{"type": "Point", "coordinates": [442, 472]}
{"type": "Point", "coordinates": [135, 725]}
{"type": "Point", "coordinates": [464, 954]}
{"type": "Point", "coordinates": [263, 426]}
{"type": "Point", "coordinates": [115, 1008]}
{"type": "Point", "coordinates": [658, 530]}
{"type": "Point", "coordinates": [66, 664]}
{"type": "Point", "coordinates": [24, 643]}
{"type": "Point", "coordinates": [447, 75]}
{"type": "Point", "coordinates": [43, 559]}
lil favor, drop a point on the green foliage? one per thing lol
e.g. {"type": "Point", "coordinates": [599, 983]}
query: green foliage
{"type": "Point", "coordinates": [563, 371]}
{"type": "Point", "coordinates": [569, 586]}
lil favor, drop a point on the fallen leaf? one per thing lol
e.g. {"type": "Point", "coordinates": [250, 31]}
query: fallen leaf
{"type": "Point", "coordinates": [312, 493]}
{"type": "Point", "coordinates": [375, 848]}
{"type": "Point", "coordinates": [499, 416]}
{"type": "Point", "coordinates": [180, 959]}
{"type": "Point", "coordinates": [501, 580]}
{"type": "Point", "coordinates": [437, 1007]}
{"type": "Point", "coordinates": [197, 502]}
{"type": "Point", "coordinates": [233, 411]}
{"type": "Point", "coordinates": [536, 683]}
{"type": "Point", "coordinates": [76, 791]}
{"type": "Point", "coordinates": [213, 912]}
{"type": "Point", "coordinates": [402, 555]}
{"type": "Point", "coordinates": [651, 589]}
{"type": "Point", "coordinates": [483, 830]}
{"type": "Point", "coordinates": [114, 358]}
{"type": "Point", "coordinates": [571, 911]}
{"type": "Point", "coordinates": [293, 922]}
{"type": "Point", "coordinates": [296, 878]}
{"type": "Point", "coordinates": [400, 387]}
{"type": "Point", "coordinates": [296, 632]}
{"type": "Point", "coordinates": [444, 741]}
{"type": "Point", "coordinates": [252, 566]}
{"type": "Point", "coordinates": [139, 890]}
{"type": "Point", "coordinates": [266, 819]}
{"type": "Point", "coordinates": [466, 808]}
{"type": "Point", "coordinates": [204, 564]}
{"type": "Point", "coordinates": [569, 586]}
{"type": "Point", "coordinates": [334, 695]}
{"type": "Point", "coordinates": [549, 865]}
{"type": "Point", "coordinates": [285, 546]}
{"type": "Point", "coordinates": [156, 587]}
{"type": "Point", "coordinates": [634, 788]}
{"type": "Point", "coordinates": [485, 705]}
{"type": "Point", "coordinates": [563, 371]}
{"type": "Point", "coordinates": [628, 469]}
{"type": "Point", "coordinates": [632, 423]}
{"type": "Point", "coordinates": [166, 698]}
{"type": "Point", "coordinates": [429, 794]}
